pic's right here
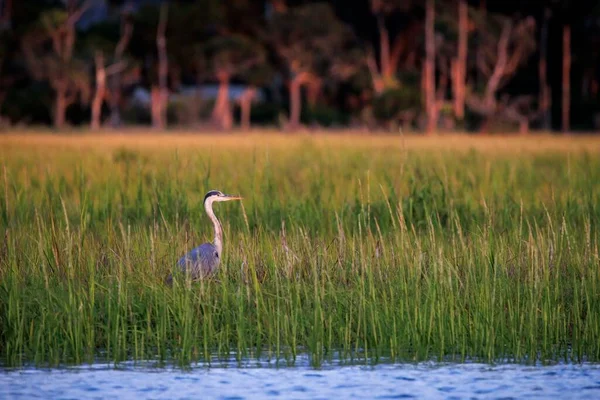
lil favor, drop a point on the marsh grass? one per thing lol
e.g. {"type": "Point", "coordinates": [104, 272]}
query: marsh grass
{"type": "Point", "coordinates": [344, 248]}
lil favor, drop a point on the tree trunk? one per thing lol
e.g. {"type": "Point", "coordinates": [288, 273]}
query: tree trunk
{"type": "Point", "coordinates": [100, 91]}
{"type": "Point", "coordinates": [489, 98]}
{"type": "Point", "coordinates": [384, 44]}
{"type": "Point", "coordinates": [566, 78]}
{"type": "Point", "coordinates": [314, 90]}
{"type": "Point", "coordinates": [156, 107]}
{"type": "Point", "coordinates": [60, 107]}
{"type": "Point", "coordinates": [221, 114]}
{"type": "Point", "coordinates": [163, 69]}
{"type": "Point", "coordinates": [397, 49]}
{"type": "Point", "coordinates": [114, 100]}
{"type": "Point", "coordinates": [376, 78]}
{"type": "Point", "coordinates": [246, 107]}
{"type": "Point", "coordinates": [545, 99]}
{"type": "Point", "coordinates": [524, 126]}
{"type": "Point", "coordinates": [430, 100]}
{"type": "Point", "coordinates": [299, 80]}
{"type": "Point", "coordinates": [460, 65]}
{"type": "Point", "coordinates": [295, 102]}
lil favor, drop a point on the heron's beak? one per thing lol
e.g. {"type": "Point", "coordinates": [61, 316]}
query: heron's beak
{"type": "Point", "coordinates": [228, 197]}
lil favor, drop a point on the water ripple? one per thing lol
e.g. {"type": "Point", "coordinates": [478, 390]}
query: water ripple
{"type": "Point", "coordinates": [426, 380]}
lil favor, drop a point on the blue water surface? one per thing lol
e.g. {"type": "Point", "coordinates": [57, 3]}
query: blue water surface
{"type": "Point", "coordinates": [384, 381]}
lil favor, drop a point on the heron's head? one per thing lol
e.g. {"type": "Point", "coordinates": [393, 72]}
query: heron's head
{"type": "Point", "coordinates": [216, 195]}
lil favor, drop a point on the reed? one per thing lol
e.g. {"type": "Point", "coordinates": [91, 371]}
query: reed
{"type": "Point", "coordinates": [345, 248]}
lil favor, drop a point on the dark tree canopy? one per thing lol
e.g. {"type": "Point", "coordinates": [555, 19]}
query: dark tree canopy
{"type": "Point", "coordinates": [360, 61]}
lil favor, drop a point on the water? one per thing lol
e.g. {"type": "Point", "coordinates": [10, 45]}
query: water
{"type": "Point", "coordinates": [390, 381]}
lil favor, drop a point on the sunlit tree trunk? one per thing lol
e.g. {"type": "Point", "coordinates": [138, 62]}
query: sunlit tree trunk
{"type": "Point", "coordinates": [459, 66]}
{"type": "Point", "coordinates": [66, 83]}
{"type": "Point", "coordinates": [566, 78]}
{"type": "Point", "coordinates": [114, 100]}
{"type": "Point", "coordinates": [63, 42]}
{"type": "Point", "coordinates": [399, 47]}
{"type": "Point", "coordinates": [100, 93]}
{"type": "Point", "coordinates": [246, 107]}
{"type": "Point", "coordinates": [430, 97]}
{"type": "Point", "coordinates": [60, 106]}
{"type": "Point", "coordinates": [296, 85]}
{"type": "Point", "coordinates": [524, 127]}
{"type": "Point", "coordinates": [376, 77]}
{"type": "Point", "coordinates": [221, 114]}
{"type": "Point", "coordinates": [295, 102]}
{"type": "Point", "coordinates": [384, 44]}
{"type": "Point", "coordinates": [313, 92]}
{"type": "Point", "coordinates": [404, 47]}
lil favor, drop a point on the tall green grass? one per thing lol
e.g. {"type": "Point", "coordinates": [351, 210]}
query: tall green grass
{"type": "Point", "coordinates": [351, 253]}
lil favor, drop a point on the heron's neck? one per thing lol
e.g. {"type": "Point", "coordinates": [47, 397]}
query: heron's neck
{"type": "Point", "coordinates": [218, 242]}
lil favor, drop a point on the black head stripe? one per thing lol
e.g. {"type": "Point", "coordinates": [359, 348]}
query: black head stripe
{"type": "Point", "coordinates": [212, 193]}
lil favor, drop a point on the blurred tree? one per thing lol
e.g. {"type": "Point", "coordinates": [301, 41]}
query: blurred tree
{"type": "Point", "coordinates": [189, 24]}
{"type": "Point", "coordinates": [227, 57]}
{"type": "Point", "coordinates": [453, 27]}
{"type": "Point", "coordinates": [567, 35]}
{"type": "Point", "coordinates": [66, 74]}
{"type": "Point", "coordinates": [398, 106]}
{"type": "Point", "coordinates": [258, 76]}
{"type": "Point", "coordinates": [391, 49]}
{"type": "Point", "coordinates": [576, 22]}
{"type": "Point", "coordinates": [115, 82]}
{"type": "Point", "coordinates": [504, 45]}
{"type": "Point", "coordinates": [109, 78]}
{"type": "Point", "coordinates": [520, 109]}
{"type": "Point", "coordinates": [311, 40]}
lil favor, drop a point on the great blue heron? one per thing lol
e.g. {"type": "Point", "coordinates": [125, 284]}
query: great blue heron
{"type": "Point", "coordinates": [204, 259]}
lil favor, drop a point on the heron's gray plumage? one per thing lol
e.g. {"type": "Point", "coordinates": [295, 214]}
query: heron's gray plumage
{"type": "Point", "coordinates": [204, 260]}
{"type": "Point", "coordinates": [201, 261]}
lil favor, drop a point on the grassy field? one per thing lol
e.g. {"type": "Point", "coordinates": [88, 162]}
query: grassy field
{"type": "Point", "coordinates": [345, 247]}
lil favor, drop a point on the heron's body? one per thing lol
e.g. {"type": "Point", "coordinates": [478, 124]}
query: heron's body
{"type": "Point", "coordinates": [200, 261]}
{"type": "Point", "coordinates": [204, 260]}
